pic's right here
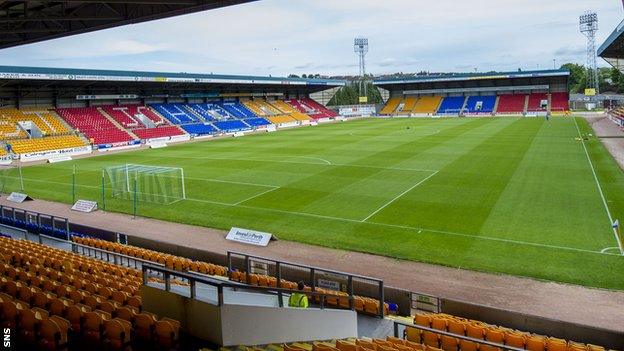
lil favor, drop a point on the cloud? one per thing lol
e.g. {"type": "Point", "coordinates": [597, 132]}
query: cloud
{"type": "Point", "coordinates": [279, 37]}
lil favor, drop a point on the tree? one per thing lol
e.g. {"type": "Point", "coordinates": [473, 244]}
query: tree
{"type": "Point", "coordinates": [578, 77]}
{"type": "Point", "coordinates": [616, 76]}
{"type": "Point", "coordinates": [349, 95]}
{"type": "Point", "coordinates": [293, 76]}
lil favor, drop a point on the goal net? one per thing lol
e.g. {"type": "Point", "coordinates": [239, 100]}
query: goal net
{"type": "Point", "coordinates": [11, 180]}
{"type": "Point", "coordinates": [155, 184]}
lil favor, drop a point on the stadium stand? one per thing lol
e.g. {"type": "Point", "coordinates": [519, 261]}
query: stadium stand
{"type": "Point", "coordinates": [55, 298]}
{"type": "Point", "coordinates": [231, 125]}
{"type": "Point", "coordinates": [290, 110]}
{"type": "Point", "coordinates": [483, 331]}
{"type": "Point", "coordinates": [314, 109]}
{"type": "Point", "coordinates": [261, 108]}
{"type": "Point", "coordinates": [480, 104]}
{"type": "Point", "coordinates": [210, 112]}
{"type": "Point", "coordinates": [199, 129]}
{"type": "Point", "coordinates": [511, 103]}
{"type": "Point", "coordinates": [452, 105]}
{"type": "Point", "coordinates": [391, 105]}
{"type": "Point", "coordinates": [158, 132]}
{"type": "Point", "coordinates": [339, 298]}
{"type": "Point", "coordinates": [238, 110]}
{"type": "Point", "coordinates": [47, 122]}
{"type": "Point", "coordinates": [281, 119]}
{"type": "Point", "coordinates": [427, 104]}
{"type": "Point", "coordinates": [408, 104]}
{"type": "Point", "coordinates": [560, 102]}
{"type": "Point", "coordinates": [24, 146]}
{"type": "Point", "coordinates": [94, 125]}
{"type": "Point", "coordinates": [123, 116]}
{"type": "Point", "coordinates": [176, 113]}
{"type": "Point", "coordinates": [536, 102]}
{"type": "Point", "coordinates": [283, 106]}
{"type": "Point", "coordinates": [257, 122]}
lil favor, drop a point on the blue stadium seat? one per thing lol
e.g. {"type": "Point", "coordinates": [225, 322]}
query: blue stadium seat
{"type": "Point", "coordinates": [231, 126]}
{"type": "Point", "coordinates": [238, 110]}
{"type": "Point", "coordinates": [176, 113]}
{"type": "Point", "coordinates": [210, 112]}
{"type": "Point", "coordinates": [451, 105]}
{"type": "Point", "coordinates": [480, 104]}
{"type": "Point", "coordinates": [257, 122]}
{"type": "Point", "coordinates": [199, 129]}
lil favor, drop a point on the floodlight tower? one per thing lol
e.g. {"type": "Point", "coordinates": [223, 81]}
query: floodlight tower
{"type": "Point", "coordinates": [588, 23]}
{"type": "Point", "coordinates": [360, 46]}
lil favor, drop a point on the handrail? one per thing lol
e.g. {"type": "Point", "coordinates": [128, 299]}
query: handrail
{"type": "Point", "coordinates": [299, 265]}
{"type": "Point", "coordinates": [109, 254]}
{"type": "Point", "coordinates": [312, 271]}
{"type": "Point", "coordinates": [193, 279]}
{"type": "Point", "coordinates": [457, 336]}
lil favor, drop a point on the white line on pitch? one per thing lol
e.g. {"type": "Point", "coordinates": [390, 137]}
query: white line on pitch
{"type": "Point", "coordinates": [604, 201]}
{"type": "Point", "coordinates": [255, 196]}
{"type": "Point", "coordinates": [231, 182]}
{"type": "Point", "coordinates": [480, 237]}
{"type": "Point", "coordinates": [369, 223]}
{"type": "Point", "coordinates": [398, 196]}
{"type": "Point", "coordinates": [295, 162]}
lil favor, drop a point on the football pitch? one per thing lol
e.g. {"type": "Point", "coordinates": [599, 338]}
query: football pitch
{"type": "Point", "coordinates": [518, 196]}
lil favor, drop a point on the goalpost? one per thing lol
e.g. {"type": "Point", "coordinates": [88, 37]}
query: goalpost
{"type": "Point", "coordinates": [11, 180]}
{"type": "Point", "coordinates": [155, 184]}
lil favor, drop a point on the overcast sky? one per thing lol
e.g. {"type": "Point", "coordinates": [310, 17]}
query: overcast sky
{"type": "Point", "coordinates": [279, 37]}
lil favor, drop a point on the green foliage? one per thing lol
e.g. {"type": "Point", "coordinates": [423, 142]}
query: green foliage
{"type": "Point", "coordinates": [508, 195]}
{"type": "Point", "coordinates": [609, 79]}
{"type": "Point", "coordinates": [349, 95]}
{"type": "Point", "coordinates": [578, 77]}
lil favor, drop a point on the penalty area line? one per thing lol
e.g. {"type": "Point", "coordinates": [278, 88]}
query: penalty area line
{"type": "Point", "coordinates": [399, 196]}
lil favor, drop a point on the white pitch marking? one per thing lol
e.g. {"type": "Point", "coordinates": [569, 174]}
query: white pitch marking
{"type": "Point", "coordinates": [370, 223]}
{"type": "Point", "coordinates": [296, 162]}
{"type": "Point", "coordinates": [609, 249]}
{"type": "Point", "coordinates": [481, 237]}
{"type": "Point", "coordinates": [255, 196]}
{"type": "Point", "coordinates": [604, 201]}
{"type": "Point", "coordinates": [231, 182]}
{"type": "Point", "coordinates": [398, 196]}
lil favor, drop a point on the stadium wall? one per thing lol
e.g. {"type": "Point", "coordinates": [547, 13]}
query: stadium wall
{"type": "Point", "coordinates": [466, 309]}
{"type": "Point", "coordinates": [233, 324]}
{"type": "Point", "coordinates": [544, 326]}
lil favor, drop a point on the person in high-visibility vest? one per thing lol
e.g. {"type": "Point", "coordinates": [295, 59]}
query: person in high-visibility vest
{"type": "Point", "coordinates": [298, 299]}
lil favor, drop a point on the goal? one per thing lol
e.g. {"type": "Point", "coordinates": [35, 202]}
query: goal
{"type": "Point", "coordinates": [155, 184]}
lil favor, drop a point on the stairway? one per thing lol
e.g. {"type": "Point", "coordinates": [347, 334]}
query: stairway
{"type": "Point", "coordinates": [114, 122]}
{"type": "Point", "coordinates": [496, 105]}
{"type": "Point", "coordinates": [464, 105]}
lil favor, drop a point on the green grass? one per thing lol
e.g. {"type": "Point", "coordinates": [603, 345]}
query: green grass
{"type": "Point", "coordinates": [508, 195]}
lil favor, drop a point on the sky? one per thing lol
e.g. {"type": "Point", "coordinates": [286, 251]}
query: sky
{"type": "Point", "coordinates": [281, 37]}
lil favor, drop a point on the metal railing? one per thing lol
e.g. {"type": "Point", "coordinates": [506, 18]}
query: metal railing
{"type": "Point", "coordinates": [193, 279]}
{"type": "Point", "coordinates": [424, 302]}
{"type": "Point", "coordinates": [36, 218]}
{"type": "Point", "coordinates": [312, 275]}
{"type": "Point", "coordinates": [101, 254]}
{"type": "Point", "coordinates": [398, 334]}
